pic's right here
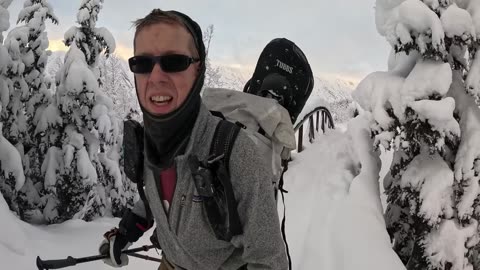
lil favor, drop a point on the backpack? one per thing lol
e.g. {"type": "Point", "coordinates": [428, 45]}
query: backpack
{"type": "Point", "coordinates": [272, 100]}
{"type": "Point", "coordinates": [270, 104]}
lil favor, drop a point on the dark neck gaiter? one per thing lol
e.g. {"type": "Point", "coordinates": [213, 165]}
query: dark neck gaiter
{"type": "Point", "coordinates": [167, 136]}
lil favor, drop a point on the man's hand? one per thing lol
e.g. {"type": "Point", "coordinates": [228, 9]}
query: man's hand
{"type": "Point", "coordinates": [112, 245]}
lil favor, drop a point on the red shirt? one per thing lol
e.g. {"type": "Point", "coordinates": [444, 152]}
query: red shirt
{"type": "Point", "coordinates": [168, 180]}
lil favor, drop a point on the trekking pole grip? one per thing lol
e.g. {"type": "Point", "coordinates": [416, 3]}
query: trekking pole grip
{"type": "Point", "coordinates": [55, 264]}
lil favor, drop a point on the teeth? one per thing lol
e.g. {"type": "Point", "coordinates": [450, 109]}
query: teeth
{"type": "Point", "coordinates": [161, 98]}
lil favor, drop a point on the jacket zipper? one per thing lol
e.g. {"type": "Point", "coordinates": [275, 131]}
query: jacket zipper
{"type": "Point", "coordinates": [182, 204]}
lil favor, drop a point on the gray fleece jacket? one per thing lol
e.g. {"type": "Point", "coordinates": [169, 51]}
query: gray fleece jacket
{"type": "Point", "coordinates": [185, 234]}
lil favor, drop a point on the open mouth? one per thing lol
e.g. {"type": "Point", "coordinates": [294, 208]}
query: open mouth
{"type": "Point", "coordinates": [161, 100]}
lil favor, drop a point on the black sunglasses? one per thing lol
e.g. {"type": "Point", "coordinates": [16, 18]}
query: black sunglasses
{"type": "Point", "coordinates": [143, 64]}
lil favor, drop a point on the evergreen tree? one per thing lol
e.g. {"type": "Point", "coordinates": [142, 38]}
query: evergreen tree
{"type": "Point", "coordinates": [424, 108]}
{"type": "Point", "coordinates": [11, 176]}
{"type": "Point", "coordinates": [34, 14]}
{"type": "Point", "coordinates": [80, 125]}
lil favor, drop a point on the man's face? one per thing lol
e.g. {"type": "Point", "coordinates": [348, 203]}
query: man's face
{"type": "Point", "coordinates": [160, 92]}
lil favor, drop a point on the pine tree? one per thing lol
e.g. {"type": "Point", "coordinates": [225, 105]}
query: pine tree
{"type": "Point", "coordinates": [424, 108]}
{"type": "Point", "coordinates": [11, 176]}
{"type": "Point", "coordinates": [79, 123]}
{"type": "Point", "coordinates": [13, 115]}
{"type": "Point", "coordinates": [34, 54]}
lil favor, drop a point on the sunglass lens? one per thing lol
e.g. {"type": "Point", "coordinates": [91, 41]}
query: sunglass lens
{"type": "Point", "coordinates": [141, 64]}
{"type": "Point", "coordinates": [174, 62]}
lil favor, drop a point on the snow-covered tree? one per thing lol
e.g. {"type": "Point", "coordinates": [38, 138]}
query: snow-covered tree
{"type": "Point", "coordinates": [34, 98]}
{"type": "Point", "coordinates": [212, 74]}
{"type": "Point", "coordinates": [34, 14]}
{"type": "Point", "coordinates": [424, 108]}
{"type": "Point", "coordinates": [13, 115]}
{"type": "Point", "coordinates": [81, 167]}
{"type": "Point", "coordinates": [12, 177]}
{"type": "Point", "coordinates": [118, 84]}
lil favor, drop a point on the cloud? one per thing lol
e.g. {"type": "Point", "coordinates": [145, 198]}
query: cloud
{"type": "Point", "coordinates": [124, 51]}
{"type": "Point", "coordinates": [121, 50]}
{"type": "Point", "coordinates": [57, 45]}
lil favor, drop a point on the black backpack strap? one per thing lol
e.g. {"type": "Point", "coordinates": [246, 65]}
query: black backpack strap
{"type": "Point", "coordinates": [141, 192]}
{"type": "Point", "coordinates": [133, 146]}
{"type": "Point", "coordinates": [283, 191]}
{"type": "Point", "coordinates": [222, 144]}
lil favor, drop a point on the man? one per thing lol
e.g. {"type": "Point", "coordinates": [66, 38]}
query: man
{"type": "Point", "coordinates": [169, 67]}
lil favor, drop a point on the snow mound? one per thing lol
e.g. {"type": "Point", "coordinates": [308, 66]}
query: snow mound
{"type": "Point", "coordinates": [333, 206]}
{"type": "Point", "coordinates": [12, 237]}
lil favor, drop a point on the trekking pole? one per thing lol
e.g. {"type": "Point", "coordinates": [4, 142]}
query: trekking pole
{"type": "Point", "coordinates": [70, 261]}
{"type": "Point", "coordinates": [145, 257]}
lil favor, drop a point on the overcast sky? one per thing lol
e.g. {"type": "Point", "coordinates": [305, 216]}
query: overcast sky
{"type": "Point", "coordinates": [338, 36]}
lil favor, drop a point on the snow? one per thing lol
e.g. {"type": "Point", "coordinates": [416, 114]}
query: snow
{"type": "Point", "coordinates": [83, 15]}
{"type": "Point", "coordinates": [378, 91]}
{"type": "Point", "coordinates": [426, 79]}
{"type": "Point", "coordinates": [4, 59]}
{"type": "Point", "coordinates": [439, 114]}
{"type": "Point", "coordinates": [402, 64]}
{"type": "Point", "coordinates": [4, 21]}
{"type": "Point", "coordinates": [381, 91]}
{"type": "Point", "coordinates": [74, 238]}
{"type": "Point", "coordinates": [11, 161]}
{"type": "Point", "coordinates": [397, 20]}
{"type": "Point", "coordinates": [70, 33]}
{"type": "Point", "coordinates": [12, 238]}
{"type": "Point", "coordinates": [107, 36]}
{"type": "Point", "coordinates": [5, 3]}
{"type": "Point", "coordinates": [447, 244]}
{"type": "Point", "coordinates": [469, 149]}
{"type": "Point", "coordinates": [75, 139]}
{"type": "Point", "coordinates": [104, 124]}
{"type": "Point", "coordinates": [113, 169]}
{"type": "Point", "coordinates": [457, 22]}
{"type": "Point", "coordinates": [28, 58]}
{"type": "Point", "coordinates": [15, 37]}
{"type": "Point", "coordinates": [68, 152]}
{"type": "Point", "coordinates": [473, 8]}
{"type": "Point", "coordinates": [433, 4]}
{"type": "Point", "coordinates": [104, 100]}
{"type": "Point", "coordinates": [385, 16]}
{"type": "Point", "coordinates": [431, 176]}
{"type": "Point", "coordinates": [472, 189]}
{"type": "Point", "coordinates": [310, 105]}
{"type": "Point", "coordinates": [333, 212]}
{"type": "Point", "coordinates": [85, 167]}
{"type": "Point", "coordinates": [415, 16]}
{"type": "Point", "coordinates": [473, 78]}
{"type": "Point", "coordinates": [51, 165]}
{"type": "Point", "coordinates": [79, 77]}
{"type": "Point", "coordinates": [333, 205]}
{"type": "Point", "coordinates": [4, 94]}
{"type": "Point", "coordinates": [50, 117]}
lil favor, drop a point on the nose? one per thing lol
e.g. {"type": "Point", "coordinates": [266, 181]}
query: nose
{"type": "Point", "coordinates": [157, 74]}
